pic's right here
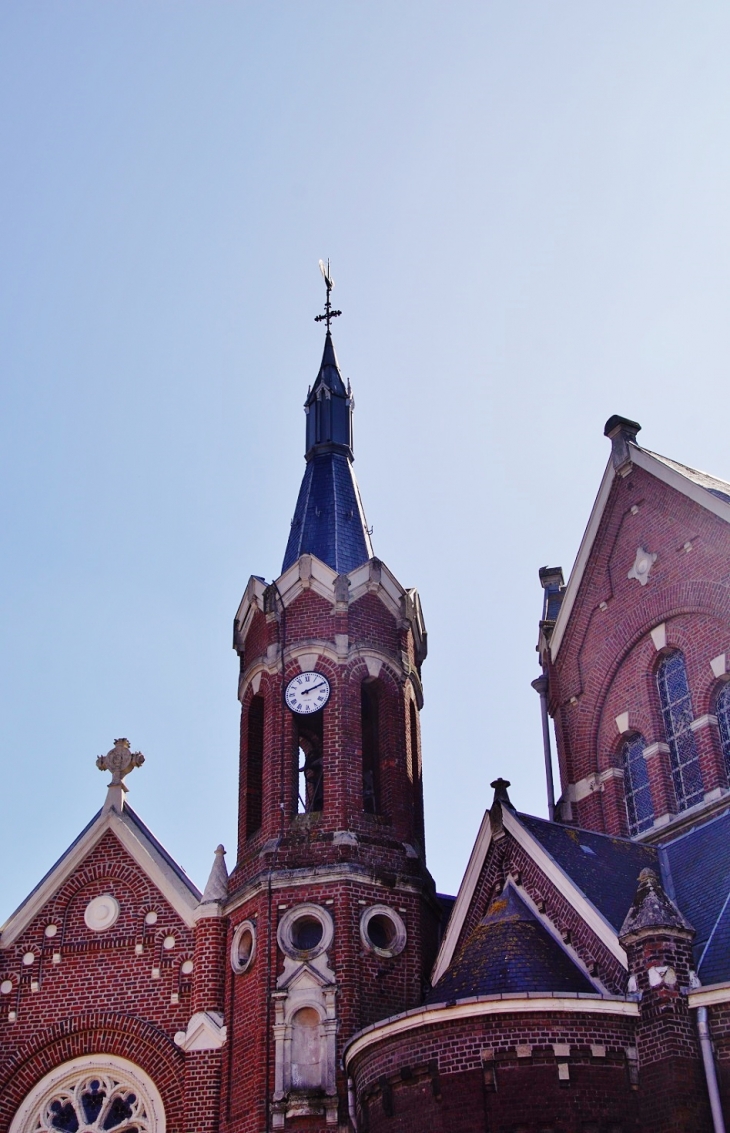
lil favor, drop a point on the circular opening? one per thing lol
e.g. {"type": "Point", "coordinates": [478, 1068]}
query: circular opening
{"type": "Point", "coordinates": [245, 947]}
{"type": "Point", "coordinates": [382, 931]}
{"type": "Point", "coordinates": [306, 933]}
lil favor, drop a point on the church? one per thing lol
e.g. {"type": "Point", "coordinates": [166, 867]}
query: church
{"type": "Point", "coordinates": [579, 982]}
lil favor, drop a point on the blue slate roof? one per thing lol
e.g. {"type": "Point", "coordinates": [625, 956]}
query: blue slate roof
{"type": "Point", "coordinates": [510, 950]}
{"type": "Point", "coordinates": [606, 869]}
{"type": "Point", "coordinates": [696, 875]}
{"type": "Point", "coordinates": [329, 521]}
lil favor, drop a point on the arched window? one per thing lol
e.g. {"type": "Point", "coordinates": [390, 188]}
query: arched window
{"type": "Point", "coordinates": [639, 807]}
{"type": "Point", "coordinates": [677, 713]}
{"type": "Point", "coordinates": [370, 721]}
{"type": "Point", "coordinates": [722, 711]}
{"type": "Point", "coordinates": [92, 1093]}
{"type": "Point", "coordinates": [416, 771]}
{"type": "Point", "coordinates": [310, 766]}
{"type": "Point", "coordinates": [254, 765]}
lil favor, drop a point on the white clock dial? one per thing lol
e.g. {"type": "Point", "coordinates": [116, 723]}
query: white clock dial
{"type": "Point", "coordinates": [307, 693]}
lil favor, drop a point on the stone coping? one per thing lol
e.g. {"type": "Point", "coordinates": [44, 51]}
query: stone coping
{"type": "Point", "coordinates": [576, 1002]}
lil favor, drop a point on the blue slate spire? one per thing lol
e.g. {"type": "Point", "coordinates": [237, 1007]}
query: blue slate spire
{"type": "Point", "coordinates": [329, 520]}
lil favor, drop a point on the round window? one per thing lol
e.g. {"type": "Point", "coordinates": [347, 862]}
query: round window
{"type": "Point", "coordinates": [243, 947]}
{"type": "Point", "coordinates": [382, 930]}
{"type": "Point", "coordinates": [305, 931]}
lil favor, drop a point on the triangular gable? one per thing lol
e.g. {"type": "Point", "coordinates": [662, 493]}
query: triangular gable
{"type": "Point", "coordinates": [512, 951]}
{"type": "Point", "coordinates": [143, 847]}
{"type": "Point", "coordinates": [469, 890]}
{"type": "Point", "coordinates": [700, 487]}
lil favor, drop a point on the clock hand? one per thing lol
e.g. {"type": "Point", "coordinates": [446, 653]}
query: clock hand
{"type": "Point", "coordinates": [306, 691]}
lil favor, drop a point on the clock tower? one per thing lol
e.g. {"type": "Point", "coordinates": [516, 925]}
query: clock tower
{"type": "Point", "coordinates": [333, 914]}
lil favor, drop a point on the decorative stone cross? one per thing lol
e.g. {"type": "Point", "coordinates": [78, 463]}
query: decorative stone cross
{"type": "Point", "coordinates": [120, 761]}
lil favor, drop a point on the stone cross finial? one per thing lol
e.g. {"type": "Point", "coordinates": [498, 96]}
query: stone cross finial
{"type": "Point", "coordinates": [120, 761]}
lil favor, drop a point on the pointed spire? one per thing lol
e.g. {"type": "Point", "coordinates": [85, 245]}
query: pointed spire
{"type": "Point", "coordinates": [329, 407]}
{"type": "Point", "coordinates": [329, 521]}
{"type": "Point", "coordinates": [653, 911]}
{"type": "Point", "coordinates": [216, 889]}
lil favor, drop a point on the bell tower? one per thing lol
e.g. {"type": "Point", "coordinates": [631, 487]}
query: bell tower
{"type": "Point", "coordinates": [333, 914]}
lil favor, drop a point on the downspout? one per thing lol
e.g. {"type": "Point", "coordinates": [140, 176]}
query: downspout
{"type": "Point", "coordinates": [540, 685]}
{"type": "Point", "coordinates": [703, 1029]}
{"type": "Point", "coordinates": [351, 1104]}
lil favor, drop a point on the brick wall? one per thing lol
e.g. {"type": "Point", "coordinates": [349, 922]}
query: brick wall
{"type": "Point", "coordinates": [607, 660]}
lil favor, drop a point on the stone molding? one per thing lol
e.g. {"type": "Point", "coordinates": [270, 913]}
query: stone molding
{"type": "Point", "coordinates": [205, 1031]}
{"type": "Point", "coordinates": [576, 1003]}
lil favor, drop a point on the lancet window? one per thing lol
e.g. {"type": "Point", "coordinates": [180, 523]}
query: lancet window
{"type": "Point", "coordinates": [722, 710]}
{"type": "Point", "coordinates": [639, 806]}
{"type": "Point", "coordinates": [678, 715]}
{"type": "Point", "coordinates": [370, 721]}
{"type": "Point", "coordinates": [310, 765]}
{"type": "Point", "coordinates": [254, 766]}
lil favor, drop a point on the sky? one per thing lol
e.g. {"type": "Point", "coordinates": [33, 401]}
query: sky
{"type": "Point", "coordinates": [525, 205]}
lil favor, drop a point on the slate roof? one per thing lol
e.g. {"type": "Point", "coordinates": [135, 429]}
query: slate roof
{"type": "Point", "coordinates": [604, 868]}
{"type": "Point", "coordinates": [510, 950]}
{"type": "Point", "coordinates": [696, 875]}
{"type": "Point", "coordinates": [329, 520]}
{"type": "Point", "coordinates": [719, 488]}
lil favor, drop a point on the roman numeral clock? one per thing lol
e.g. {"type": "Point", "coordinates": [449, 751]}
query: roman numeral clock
{"type": "Point", "coordinates": [307, 693]}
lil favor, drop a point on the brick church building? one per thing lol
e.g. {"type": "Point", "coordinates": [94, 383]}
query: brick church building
{"type": "Point", "coordinates": [579, 982]}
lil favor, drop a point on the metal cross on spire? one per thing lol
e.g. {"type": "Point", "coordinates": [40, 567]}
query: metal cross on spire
{"type": "Point", "coordinates": [329, 283]}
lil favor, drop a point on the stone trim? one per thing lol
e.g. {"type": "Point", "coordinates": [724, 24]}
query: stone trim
{"type": "Point", "coordinates": [575, 792]}
{"type": "Point", "coordinates": [703, 722]}
{"type": "Point", "coordinates": [660, 471]}
{"type": "Point", "coordinates": [464, 898]}
{"type": "Point", "coordinates": [596, 922]}
{"type": "Point", "coordinates": [25, 1118]}
{"type": "Point", "coordinates": [576, 1003]}
{"type": "Point", "coordinates": [710, 995]}
{"type": "Point", "coordinates": [293, 878]}
{"type": "Point", "coordinates": [205, 1031]}
{"type": "Point", "coordinates": [183, 899]}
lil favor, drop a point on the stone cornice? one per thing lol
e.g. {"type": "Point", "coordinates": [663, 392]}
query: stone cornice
{"type": "Point", "coordinates": [577, 1003]}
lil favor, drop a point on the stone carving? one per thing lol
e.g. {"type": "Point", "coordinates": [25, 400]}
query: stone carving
{"type": "Point", "coordinates": [643, 563]}
{"type": "Point", "coordinates": [120, 761]}
{"type": "Point", "coordinates": [101, 913]}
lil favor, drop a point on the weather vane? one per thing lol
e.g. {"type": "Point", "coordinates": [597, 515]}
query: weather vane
{"type": "Point", "coordinates": [329, 283]}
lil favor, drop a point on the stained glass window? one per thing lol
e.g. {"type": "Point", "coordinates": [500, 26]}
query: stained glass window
{"type": "Point", "coordinates": [722, 710]}
{"type": "Point", "coordinates": [102, 1100]}
{"type": "Point", "coordinates": [639, 807]}
{"type": "Point", "coordinates": [96, 1103]}
{"type": "Point", "coordinates": [678, 715]}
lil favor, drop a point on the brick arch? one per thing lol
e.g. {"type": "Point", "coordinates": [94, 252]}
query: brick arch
{"type": "Point", "coordinates": [96, 1033]}
{"type": "Point", "coordinates": [679, 600]}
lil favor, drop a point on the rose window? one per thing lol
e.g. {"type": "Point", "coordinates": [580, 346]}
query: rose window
{"type": "Point", "coordinates": [95, 1103]}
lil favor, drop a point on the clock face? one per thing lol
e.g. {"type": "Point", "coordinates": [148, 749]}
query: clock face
{"type": "Point", "coordinates": [307, 693]}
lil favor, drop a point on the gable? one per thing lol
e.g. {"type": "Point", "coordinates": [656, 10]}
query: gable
{"type": "Point", "coordinates": [510, 951]}
{"type": "Point", "coordinates": [682, 486]}
{"type": "Point", "coordinates": [507, 850]}
{"type": "Point", "coordinates": [128, 847]}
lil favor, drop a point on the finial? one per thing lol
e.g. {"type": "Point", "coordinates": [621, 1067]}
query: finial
{"type": "Point", "coordinates": [120, 761]}
{"type": "Point", "coordinates": [329, 283]}
{"type": "Point", "coordinates": [500, 791]}
{"type": "Point", "coordinates": [216, 889]}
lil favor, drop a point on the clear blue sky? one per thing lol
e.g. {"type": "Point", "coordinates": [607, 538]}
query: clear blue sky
{"type": "Point", "coordinates": [526, 209]}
